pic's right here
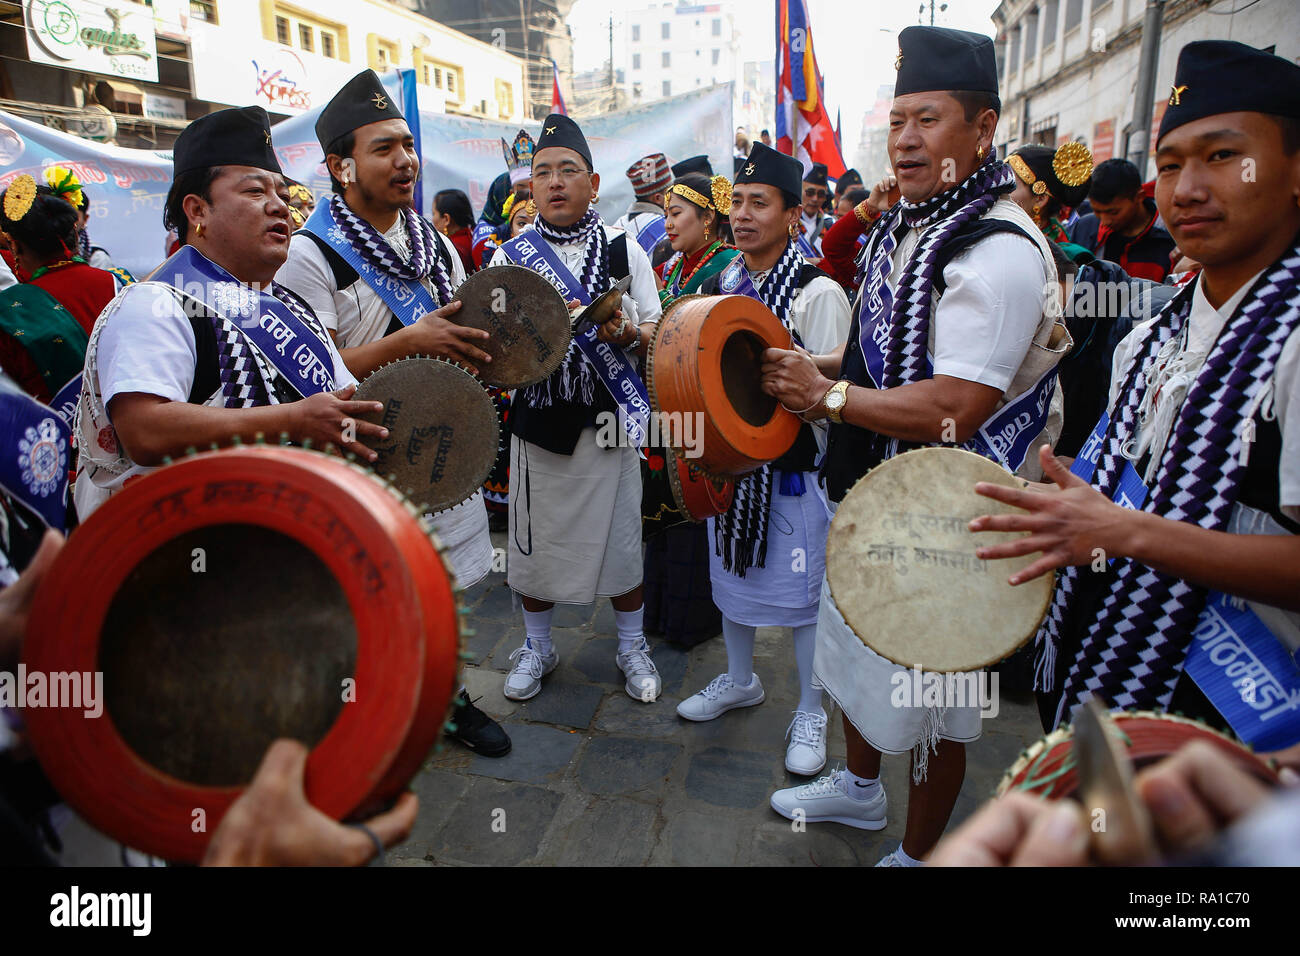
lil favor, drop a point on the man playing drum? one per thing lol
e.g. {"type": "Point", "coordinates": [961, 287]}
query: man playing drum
{"type": "Point", "coordinates": [575, 506]}
{"type": "Point", "coordinates": [213, 350]}
{"type": "Point", "coordinates": [769, 549]}
{"type": "Point", "coordinates": [948, 345]}
{"type": "Point", "coordinates": [1201, 440]}
{"type": "Point", "coordinates": [381, 278]}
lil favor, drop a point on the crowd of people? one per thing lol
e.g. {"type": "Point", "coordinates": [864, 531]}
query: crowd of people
{"type": "Point", "coordinates": [957, 296]}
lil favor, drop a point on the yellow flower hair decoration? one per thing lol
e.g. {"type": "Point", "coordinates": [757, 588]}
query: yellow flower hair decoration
{"type": "Point", "coordinates": [1072, 164]}
{"type": "Point", "coordinates": [721, 189]}
{"type": "Point", "coordinates": [508, 205]}
{"type": "Point", "coordinates": [65, 185]}
{"type": "Point", "coordinates": [19, 197]}
{"type": "Point", "coordinates": [301, 193]}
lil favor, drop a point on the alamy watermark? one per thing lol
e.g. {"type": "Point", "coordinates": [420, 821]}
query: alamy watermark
{"type": "Point", "coordinates": [83, 690]}
{"type": "Point", "coordinates": [918, 688]}
{"type": "Point", "coordinates": [682, 431]}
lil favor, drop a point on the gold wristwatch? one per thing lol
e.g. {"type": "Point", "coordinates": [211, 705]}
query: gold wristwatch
{"type": "Point", "coordinates": [836, 397]}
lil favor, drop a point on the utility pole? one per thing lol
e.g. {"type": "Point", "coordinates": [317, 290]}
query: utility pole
{"type": "Point", "coordinates": [1139, 143]}
{"type": "Point", "coordinates": [613, 90]}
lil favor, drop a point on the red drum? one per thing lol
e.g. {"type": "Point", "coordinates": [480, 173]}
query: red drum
{"type": "Point", "coordinates": [706, 360]}
{"type": "Point", "coordinates": [1049, 768]}
{"type": "Point", "coordinates": [230, 599]}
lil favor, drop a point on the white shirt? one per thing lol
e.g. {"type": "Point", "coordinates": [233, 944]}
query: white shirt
{"type": "Point", "coordinates": [640, 302]}
{"type": "Point", "coordinates": [7, 277]}
{"type": "Point", "coordinates": [356, 315]}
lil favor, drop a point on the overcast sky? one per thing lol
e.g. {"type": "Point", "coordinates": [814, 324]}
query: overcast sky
{"type": "Point", "coordinates": [854, 51]}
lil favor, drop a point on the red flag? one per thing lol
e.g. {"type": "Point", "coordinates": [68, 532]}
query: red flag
{"type": "Point", "coordinates": [557, 98]}
{"type": "Point", "coordinates": [803, 127]}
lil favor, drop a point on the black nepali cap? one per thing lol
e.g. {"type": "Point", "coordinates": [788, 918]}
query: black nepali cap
{"type": "Point", "coordinates": [937, 58]}
{"type": "Point", "coordinates": [767, 167]}
{"type": "Point", "coordinates": [817, 175]}
{"type": "Point", "coordinates": [1223, 76]}
{"type": "Point", "coordinates": [235, 137]}
{"type": "Point", "coordinates": [850, 178]}
{"type": "Point", "coordinates": [362, 101]}
{"type": "Point", "coordinates": [693, 164]}
{"type": "Point", "coordinates": [559, 130]}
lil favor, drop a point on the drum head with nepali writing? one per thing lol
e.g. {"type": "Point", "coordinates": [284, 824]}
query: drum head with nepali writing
{"type": "Point", "coordinates": [442, 430]}
{"type": "Point", "coordinates": [528, 321]}
{"type": "Point", "coordinates": [901, 564]}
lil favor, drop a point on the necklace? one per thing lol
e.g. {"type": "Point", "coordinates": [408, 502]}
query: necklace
{"type": "Point", "coordinates": [714, 248]}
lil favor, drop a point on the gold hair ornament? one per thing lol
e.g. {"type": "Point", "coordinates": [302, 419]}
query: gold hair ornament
{"type": "Point", "coordinates": [1025, 173]}
{"type": "Point", "coordinates": [1072, 164]}
{"type": "Point", "coordinates": [19, 197]}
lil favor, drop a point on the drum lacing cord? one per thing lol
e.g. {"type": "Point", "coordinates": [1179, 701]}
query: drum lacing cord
{"type": "Point", "coordinates": [528, 502]}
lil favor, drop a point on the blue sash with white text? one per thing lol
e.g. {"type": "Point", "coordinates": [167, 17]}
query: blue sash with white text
{"type": "Point", "coordinates": [613, 369]}
{"type": "Point", "coordinates": [1236, 661]}
{"type": "Point", "coordinates": [407, 299]}
{"type": "Point", "coordinates": [65, 400]}
{"type": "Point", "coordinates": [296, 351]}
{"type": "Point", "coordinates": [649, 237]}
{"type": "Point", "coordinates": [36, 443]}
{"type": "Point", "coordinates": [805, 246]}
{"type": "Point", "coordinates": [1007, 434]}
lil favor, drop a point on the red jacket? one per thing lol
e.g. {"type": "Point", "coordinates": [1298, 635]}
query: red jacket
{"type": "Point", "coordinates": [840, 249]}
{"type": "Point", "coordinates": [81, 289]}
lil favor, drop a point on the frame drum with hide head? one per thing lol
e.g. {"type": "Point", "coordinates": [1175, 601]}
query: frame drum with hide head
{"type": "Point", "coordinates": [528, 321]}
{"type": "Point", "coordinates": [230, 599]}
{"type": "Point", "coordinates": [901, 564]}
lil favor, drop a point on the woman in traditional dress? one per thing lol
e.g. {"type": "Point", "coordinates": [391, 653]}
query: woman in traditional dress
{"type": "Point", "coordinates": [1050, 181]}
{"type": "Point", "coordinates": [678, 597]}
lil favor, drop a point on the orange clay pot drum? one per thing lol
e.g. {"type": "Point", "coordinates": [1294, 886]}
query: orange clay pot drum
{"type": "Point", "coordinates": [1049, 768]}
{"type": "Point", "coordinates": [708, 352]}
{"type": "Point", "coordinates": [901, 564]}
{"type": "Point", "coordinates": [230, 599]}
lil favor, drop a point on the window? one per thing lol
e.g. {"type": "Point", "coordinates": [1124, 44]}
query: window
{"type": "Point", "coordinates": [636, 61]}
{"type": "Point", "coordinates": [636, 32]}
{"type": "Point", "coordinates": [1031, 35]}
{"type": "Point", "coordinates": [381, 52]}
{"type": "Point", "coordinates": [295, 26]}
{"type": "Point", "coordinates": [666, 59]}
{"type": "Point", "coordinates": [716, 54]}
{"type": "Point", "coordinates": [205, 10]}
{"type": "Point", "coordinates": [282, 30]}
{"type": "Point", "coordinates": [668, 88]}
{"type": "Point", "coordinates": [451, 81]}
{"type": "Point", "coordinates": [327, 43]}
{"type": "Point", "coordinates": [1049, 23]}
{"type": "Point", "coordinates": [444, 76]}
{"type": "Point", "coordinates": [505, 99]}
{"type": "Point", "coordinates": [381, 59]}
{"type": "Point", "coordinates": [1073, 14]}
{"type": "Point", "coordinates": [666, 30]}
{"type": "Point", "coordinates": [1015, 50]}
{"type": "Point", "coordinates": [305, 37]}
{"type": "Point", "coordinates": [717, 27]}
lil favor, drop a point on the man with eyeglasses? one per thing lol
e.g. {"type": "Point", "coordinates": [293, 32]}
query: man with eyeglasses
{"type": "Point", "coordinates": [813, 221]}
{"type": "Point", "coordinates": [575, 481]}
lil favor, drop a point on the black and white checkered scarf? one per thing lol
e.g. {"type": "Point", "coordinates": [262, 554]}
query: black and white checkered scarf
{"type": "Point", "coordinates": [575, 380]}
{"type": "Point", "coordinates": [425, 262]}
{"type": "Point", "coordinates": [740, 533]}
{"type": "Point", "coordinates": [1134, 654]}
{"type": "Point", "coordinates": [247, 376]}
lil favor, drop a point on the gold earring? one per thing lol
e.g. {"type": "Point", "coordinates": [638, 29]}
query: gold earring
{"type": "Point", "coordinates": [706, 232]}
{"type": "Point", "coordinates": [793, 234]}
{"type": "Point", "coordinates": [595, 198]}
{"type": "Point", "coordinates": [979, 153]}
{"type": "Point", "coordinates": [198, 230]}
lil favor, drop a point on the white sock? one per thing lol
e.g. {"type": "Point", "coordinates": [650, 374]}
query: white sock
{"type": "Point", "coordinates": [805, 645]}
{"type": "Point", "coordinates": [631, 634]}
{"type": "Point", "coordinates": [901, 855]}
{"type": "Point", "coordinates": [537, 625]}
{"type": "Point", "coordinates": [740, 651]}
{"type": "Point", "coordinates": [860, 788]}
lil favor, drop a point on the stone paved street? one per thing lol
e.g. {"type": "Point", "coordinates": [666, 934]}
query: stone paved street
{"type": "Point", "coordinates": [596, 778]}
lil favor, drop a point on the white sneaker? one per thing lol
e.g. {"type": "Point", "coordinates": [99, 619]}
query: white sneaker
{"type": "Point", "coordinates": [891, 859]}
{"type": "Point", "coordinates": [643, 681]}
{"type": "Point", "coordinates": [525, 680]}
{"type": "Point", "coordinates": [825, 800]}
{"type": "Point", "coordinates": [722, 695]}
{"type": "Point", "coordinates": [806, 754]}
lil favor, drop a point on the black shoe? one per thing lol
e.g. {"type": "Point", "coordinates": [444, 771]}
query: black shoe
{"type": "Point", "coordinates": [498, 521]}
{"type": "Point", "coordinates": [477, 731]}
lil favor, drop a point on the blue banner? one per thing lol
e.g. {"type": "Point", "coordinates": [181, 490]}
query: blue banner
{"type": "Point", "coordinates": [615, 372]}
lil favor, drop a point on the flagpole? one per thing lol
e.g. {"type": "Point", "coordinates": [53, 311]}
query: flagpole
{"type": "Point", "coordinates": [776, 69]}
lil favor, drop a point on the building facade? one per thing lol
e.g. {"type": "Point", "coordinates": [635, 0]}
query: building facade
{"type": "Point", "coordinates": [1069, 68]}
{"type": "Point", "coordinates": [136, 74]}
{"type": "Point", "coordinates": [664, 49]}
